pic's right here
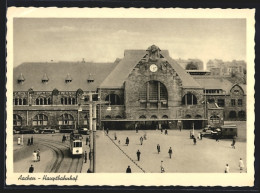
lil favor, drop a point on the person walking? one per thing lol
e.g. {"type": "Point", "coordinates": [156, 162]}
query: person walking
{"type": "Point", "coordinates": [141, 140]}
{"type": "Point", "coordinates": [161, 130]}
{"type": "Point", "coordinates": [200, 136]}
{"type": "Point", "coordinates": [138, 153]}
{"type": "Point", "coordinates": [166, 132]}
{"type": "Point", "coordinates": [136, 129]}
{"type": "Point", "coordinates": [107, 131]}
{"type": "Point", "coordinates": [32, 140]}
{"type": "Point", "coordinates": [241, 165]}
{"type": "Point", "coordinates": [85, 156]}
{"type": "Point", "coordinates": [227, 169]}
{"type": "Point", "coordinates": [63, 138]}
{"type": "Point", "coordinates": [170, 152]}
{"type": "Point", "coordinates": [34, 156]}
{"type": "Point", "coordinates": [127, 141]}
{"type": "Point", "coordinates": [233, 144]}
{"type": "Point", "coordinates": [87, 140]}
{"type": "Point", "coordinates": [38, 155]}
{"type": "Point", "coordinates": [158, 148]}
{"type": "Point", "coordinates": [29, 141]}
{"type": "Point", "coordinates": [115, 136]}
{"type": "Point", "coordinates": [145, 136]}
{"type": "Point", "coordinates": [128, 170]}
{"type": "Point", "coordinates": [31, 169]}
{"type": "Point", "coordinates": [194, 141]}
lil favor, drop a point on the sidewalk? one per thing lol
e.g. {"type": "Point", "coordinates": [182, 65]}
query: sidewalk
{"type": "Point", "coordinates": [85, 166]}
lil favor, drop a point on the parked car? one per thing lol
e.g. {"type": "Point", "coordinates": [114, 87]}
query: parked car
{"type": "Point", "coordinates": [84, 131]}
{"type": "Point", "coordinates": [46, 130]}
{"type": "Point", "coordinates": [228, 131]}
{"type": "Point", "coordinates": [27, 131]}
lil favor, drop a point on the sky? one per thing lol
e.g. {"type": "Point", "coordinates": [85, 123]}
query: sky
{"type": "Point", "coordinates": [104, 40]}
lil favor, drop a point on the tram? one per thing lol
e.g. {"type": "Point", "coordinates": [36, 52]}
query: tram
{"type": "Point", "coordinates": [76, 143]}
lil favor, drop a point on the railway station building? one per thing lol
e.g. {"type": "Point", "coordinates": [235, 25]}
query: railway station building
{"type": "Point", "coordinates": [145, 89]}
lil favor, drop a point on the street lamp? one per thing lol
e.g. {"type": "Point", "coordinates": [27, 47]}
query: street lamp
{"type": "Point", "coordinates": [92, 127]}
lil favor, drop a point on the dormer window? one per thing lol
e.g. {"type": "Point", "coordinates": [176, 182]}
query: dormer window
{"type": "Point", "coordinates": [90, 78]}
{"type": "Point", "coordinates": [68, 78]}
{"type": "Point", "coordinates": [45, 79]}
{"type": "Point", "coordinates": [21, 79]}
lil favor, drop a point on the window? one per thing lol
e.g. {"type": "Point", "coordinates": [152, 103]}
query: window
{"type": "Point", "coordinates": [40, 119]}
{"type": "Point", "coordinates": [20, 101]}
{"type": "Point", "coordinates": [68, 101]}
{"type": "Point", "coordinates": [232, 114]}
{"type": "Point", "coordinates": [221, 102]}
{"type": "Point", "coordinates": [233, 102]}
{"type": "Point", "coordinates": [153, 95]}
{"type": "Point", "coordinates": [189, 99]}
{"type": "Point", "coordinates": [66, 119]}
{"type": "Point", "coordinates": [113, 99]}
{"type": "Point", "coordinates": [241, 114]}
{"type": "Point", "coordinates": [43, 101]}
{"type": "Point", "coordinates": [77, 144]}
{"type": "Point", "coordinates": [17, 120]}
{"type": "Point", "coordinates": [142, 117]}
{"type": "Point", "coordinates": [153, 117]}
{"type": "Point", "coordinates": [85, 120]}
{"type": "Point", "coordinates": [214, 119]}
{"type": "Point", "coordinates": [239, 102]}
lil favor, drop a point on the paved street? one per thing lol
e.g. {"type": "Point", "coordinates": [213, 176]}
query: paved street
{"type": "Point", "coordinates": [206, 156]}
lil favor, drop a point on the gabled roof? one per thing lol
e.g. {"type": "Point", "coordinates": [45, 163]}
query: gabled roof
{"type": "Point", "coordinates": [56, 72]}
{"type": "Point", "coordinates": [120, 73]}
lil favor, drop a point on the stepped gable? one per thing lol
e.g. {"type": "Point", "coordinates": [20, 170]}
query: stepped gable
{"type": "Point", "coordinates": [118, 76]}
{"type": "Point", "coordinates": [56, 72]}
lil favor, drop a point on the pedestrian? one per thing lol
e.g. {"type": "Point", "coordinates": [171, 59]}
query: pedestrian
{"type": "Point", "coordinates": [138, 153]}
{"type": "Point", "coordinates": [89, 155]}
{"type": "Point", "coordinates": [87, 140]}
{"type": "Point", "coordinates": [38, 155]}
{"type": "Point", "coordinates": [141, 140]}
{"type": "Point", "coordinates": [63, 138]}
{"type": "Point", "coordinates": [201, 136]}
{"type": "Point", "coordinates": [107, 131]}
{"type": "Point", "coordinates": [115, 136]}
{"type": "Point", "coordinates": [29, 141]}
{"type": "Point", "coordinates": [145, 136]}
{"type": "Point", "coordinates": [233, 144]}
{"type": "Point", "coordinates": [31, 169]}
{"type": "Point", "coordinates": [170, 152]}
{"type": "Point", "coordinates": [241, 165]}
{"type": "Point", "coordinates": [158, 148]}
{"type": "Point", "coordinates": [34, 156]}
{"type": "Point", "coordinates": [166, 132]}
{"type": "Point", "coordinates": [194, 141]}
{"type": "Point", "coordinates": [32, 140]}
{"type": "Point", "coordinates": [161, 130]}
{"type": "Point", "coordinates": [217, 137]}
{"type": "Point", "coordinates": [227, 169]}
{"type": "Point", "coordinates": [180, 127]}
{"type": "Point", "coordinates": [136, 129]}
{"type": "Point", "coordinates": [127, 141]}
{"type": "Point", "coordinates": [85, 156]}
{"type": "Point", "coordinates": [128, 170]}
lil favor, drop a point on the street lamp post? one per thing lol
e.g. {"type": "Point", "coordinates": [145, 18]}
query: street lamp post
{"type": "Point", "coordinates": [93, 127]}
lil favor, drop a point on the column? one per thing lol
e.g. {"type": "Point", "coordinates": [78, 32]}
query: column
{"type": "Point", "coordinates": [91, 132]}
{"type": "Point", "coordinates": [94, 136]}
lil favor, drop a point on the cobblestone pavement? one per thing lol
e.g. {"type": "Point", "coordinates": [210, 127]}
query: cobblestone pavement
{"type": "Point", "coordinates": [207, 156]}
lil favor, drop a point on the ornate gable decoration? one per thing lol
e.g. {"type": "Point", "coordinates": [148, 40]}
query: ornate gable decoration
{"type": "Point", "coordinates": [153, 53]}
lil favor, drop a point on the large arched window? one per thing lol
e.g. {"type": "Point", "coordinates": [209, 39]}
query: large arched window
{"type": "Point", "coordinates": [142, 117]}
{"type": "Point", "coordinates": [113, 99]}
{"type": "Point", "coordinates": [189, 99]}
{"type": "Point", "coordinates": [40, 119]}
{"type": "Point", "coordinates": [232, 114]}
{"type": "Point", "coordinates": [153, 95]}
{"type": "Point", "coordinates": [214, 119]}
{"type": "Point", "coordinates": [66, 119]}
{"type": "Point", "coordinates": [241, 114]}
{"type": "Point", "coordinates": [17, 120]}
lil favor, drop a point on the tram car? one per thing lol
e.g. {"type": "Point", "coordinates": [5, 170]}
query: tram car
{"type": "Point", "coordinates": [76, 143]}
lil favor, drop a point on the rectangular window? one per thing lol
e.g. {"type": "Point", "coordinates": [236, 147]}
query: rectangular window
{"type": "Point", "coordinates": [233, 102]}
{"type": "Point", "coordinates": [239, 102]}
{"type": "Point", "coordinates": [153, 105]}
{"type": "Point", "coordinates": [221, 102]}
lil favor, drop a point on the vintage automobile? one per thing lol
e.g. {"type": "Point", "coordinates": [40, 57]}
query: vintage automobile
{"type": "Point", "coordinates": [228, 131]}
{"type": "Point", "coordinates": [84, 131]}
{"type": "Point", "coordinates": [46, 130]}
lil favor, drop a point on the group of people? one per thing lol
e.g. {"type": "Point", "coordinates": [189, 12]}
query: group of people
{"type": "Point", "coordinates": [36, 155]}
{"type": "Point", "coordinates": [30, 141]}
{"type": "Point", "coordinates": [240, 165]}
{"type": "Point", "coordinates": [165, 131]}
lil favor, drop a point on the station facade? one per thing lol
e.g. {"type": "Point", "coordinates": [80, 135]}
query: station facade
{"type": "Point", "coordinates": [145, 89]}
